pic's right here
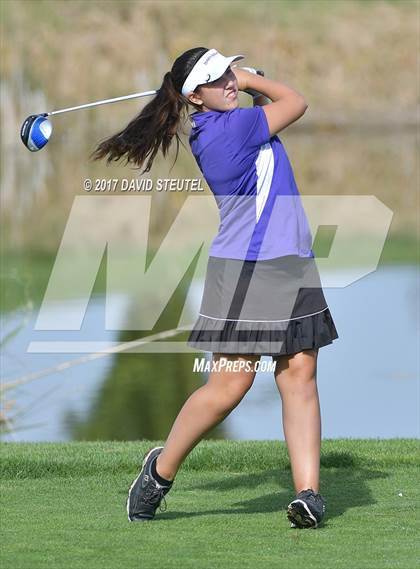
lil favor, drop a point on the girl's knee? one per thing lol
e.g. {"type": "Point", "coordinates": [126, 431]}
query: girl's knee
{"type": "Point", "coordinates": [299, 367]}
{"type": "Point", "coordinates": [231, 386]}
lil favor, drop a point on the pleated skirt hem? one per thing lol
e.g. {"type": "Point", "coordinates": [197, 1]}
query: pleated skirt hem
{"type": "Point", "coordinates": [263, 338]}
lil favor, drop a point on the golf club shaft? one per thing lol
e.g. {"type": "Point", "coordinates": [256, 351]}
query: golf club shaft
{"type": "Point", "coordinates": [104, 102]}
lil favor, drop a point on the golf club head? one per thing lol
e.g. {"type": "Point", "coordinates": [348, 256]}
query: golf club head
{"type": "Point", "coordinates": [35, 132]}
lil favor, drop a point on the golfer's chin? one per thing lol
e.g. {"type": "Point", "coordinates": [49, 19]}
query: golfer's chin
{"type": "Point", "coordinates": [223, 105]}
{"type": "Point", "coordinates": [232, 103]}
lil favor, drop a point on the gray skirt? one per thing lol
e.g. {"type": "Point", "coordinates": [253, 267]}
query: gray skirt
{"type": "Point", "coordinates": [267, 307]}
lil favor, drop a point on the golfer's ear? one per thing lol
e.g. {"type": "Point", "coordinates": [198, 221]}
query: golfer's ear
{"type": "Point", "coordinates": [194, 98]}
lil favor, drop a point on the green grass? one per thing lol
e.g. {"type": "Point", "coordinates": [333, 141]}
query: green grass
{"type": "Point", "coordinates": [63, 505]}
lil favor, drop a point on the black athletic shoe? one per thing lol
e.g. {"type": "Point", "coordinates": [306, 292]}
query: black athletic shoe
{"type": "Point", "coordinates": [306, 510]}
{"type": "Point", "coordinates": [145, 493]}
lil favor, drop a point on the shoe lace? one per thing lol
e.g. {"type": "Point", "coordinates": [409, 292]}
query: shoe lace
{"type": "Point", "coordinates": [155, 494]}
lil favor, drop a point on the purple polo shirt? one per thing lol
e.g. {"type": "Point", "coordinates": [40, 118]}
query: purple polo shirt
{"type": "Point", "coordinates": [249, 173]}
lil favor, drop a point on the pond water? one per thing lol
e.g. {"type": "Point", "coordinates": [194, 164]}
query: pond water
{"type": "Point", "coordinates": [368, 379]}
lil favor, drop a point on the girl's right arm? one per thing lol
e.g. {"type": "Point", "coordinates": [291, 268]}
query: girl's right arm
{"type": "Point", "coordinates": [287, 104]}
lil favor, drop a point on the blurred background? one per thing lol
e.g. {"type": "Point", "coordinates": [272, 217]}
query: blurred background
{"type": "Point", "coordinates": [356, 62]}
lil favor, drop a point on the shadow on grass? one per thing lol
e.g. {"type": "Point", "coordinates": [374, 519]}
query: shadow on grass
{"type": "Point", "coordinates": [344, 485]}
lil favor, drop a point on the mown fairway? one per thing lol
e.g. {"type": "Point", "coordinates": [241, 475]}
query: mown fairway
{"type": "Point", "coordinates": [63, 506]}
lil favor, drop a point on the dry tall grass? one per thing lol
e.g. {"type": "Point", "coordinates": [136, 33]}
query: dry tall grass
{"type": "Point", "coordinates": [355, 61]}
{"type": "Point", "coordinates": [345, 56]}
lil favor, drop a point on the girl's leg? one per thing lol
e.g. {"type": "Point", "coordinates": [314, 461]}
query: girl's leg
{"type": "Point", "coordinates": [295, 377]}
{"type": "Point", "coordinates": [205, 409]}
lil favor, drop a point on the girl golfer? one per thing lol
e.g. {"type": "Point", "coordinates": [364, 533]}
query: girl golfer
{"type": "Point", "coordinates": [262, 293]}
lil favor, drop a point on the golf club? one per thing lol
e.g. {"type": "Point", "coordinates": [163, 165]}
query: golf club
{"type": "Point", "coordinates": [36, 129]}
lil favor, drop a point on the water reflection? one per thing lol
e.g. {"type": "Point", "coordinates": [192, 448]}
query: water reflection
{"type": "Point", "coordinates": [120, 397]}
{"type": "Point", "coordinates": [142, 393]}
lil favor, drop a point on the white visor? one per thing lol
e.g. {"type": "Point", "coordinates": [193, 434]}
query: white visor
{"type": "Point", "coordinates": [208, 68]}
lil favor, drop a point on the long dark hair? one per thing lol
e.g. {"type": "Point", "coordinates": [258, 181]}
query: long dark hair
{"type": "Point", "coordinates": [158, 123]}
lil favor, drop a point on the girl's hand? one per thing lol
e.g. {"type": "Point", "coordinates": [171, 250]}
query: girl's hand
{"type": "Point", "coordinates": [241, 77]}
